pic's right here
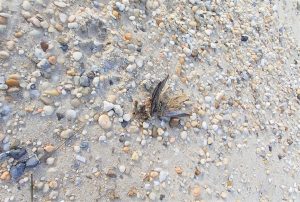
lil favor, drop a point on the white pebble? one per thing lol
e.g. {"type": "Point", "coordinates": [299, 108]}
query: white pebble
{"type": "Point", "coordinates": [77, 56]}
{"type": "Point", "coordinates": [48, 110]}
{"type": "Point", "coordinates": [50, 161]}
{"type": "Point", "coordinates": [183, 135]}
{"type": "Point", "coordinates": [71, 114]}
{"type": "Point", "coordinates": [126, 117]}
{"type": "Point", "coordinates": [107, 106]}
{"type": "Point", "coordinates": [122, 168]}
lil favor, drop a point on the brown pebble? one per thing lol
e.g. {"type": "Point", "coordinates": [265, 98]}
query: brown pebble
{"type": "Point", "coordinates": [174, 122]}
{"type": "Point", "coordinates": [3, 20]}
{"type": "Point", "coordinates": [197, 171]}
{"type": "Point", "coordinates": [154, 132]}
{"type": "Point", "coordinates": [5, 176]}
{"type": "Point", "coordinates": [52, 60]}
{"type": "Point", "coordinates": [49, 148]}
{"type": "Point", "coordinates": [128, 36]}
{"type": "Point", "coordinates": [12, 83]}
{"type": "Point", "coordinates": [59, 27]}
{"type": "Point", "coordinates": [111, 173]}
{"type": "Point", "coordinates": [115, 14]}
{"type": "Point", "coordinates": [132, 192]}
{"type": "Point", "coordinates": [178, 170]}
{"type": "Point", "coordinates": [18, 34]}
{"type": "Point", "coordinates": [196, 191]}
{"type": "Point", "coordinates": [44, 46]}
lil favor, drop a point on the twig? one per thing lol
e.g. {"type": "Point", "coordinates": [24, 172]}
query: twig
{"type": "Point", "coordinates": [31, 187]}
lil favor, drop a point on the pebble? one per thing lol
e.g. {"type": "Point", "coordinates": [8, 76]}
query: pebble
{"type": "Point", "coordinates": [107, 106]}
{"type": "Point", "coordinates": [49, 148]}
{"type": "Point", "coordinates": [118, 110]}
{"type": "Point", "coordinates": [104, 121]}
{"type": "Point", "coordinates": [196, 191]}
{"type": "Point", "coordinates": [66, 133]}
{"type": "Point", "coordinates": [126, 117]}
{"type": "Point", "coordinates": [5, 176]}
{"type": "Point", "coordinates": [122, 168]}
{"type": "Point", "coordinates": [4, 55]}
{"type": "Point", "coordinates": [183, 135]}
{"type": "Point", "coordinates": [3, 20]}
{"type": "Point", "coordinates": [77, 56]}
{"type": "Point", "coordinates": [48, 110]}
{"type": "Point", "coordinates": [12, 83]}
{"type": "Point", "coordinates": [163, 175]}
{"type": "Point", "coordinates": [81, 158]}
{"type": "Point", "coordinates": [26, 5]}
{"type": "Point", "coordinates": [71, 115]}
{"type": "Point", "coordinates": [84, 81]}
{"type": "Point", "coordinates": [152, 196]}
{"type": "Point", "coordinates": [32, 162]}
{"type": "Point", "coordinates": [17, 171]}
{"type": "Point", "coordinates": [120, 6]}
{"type": "Point", "coordinates": [50, 161]}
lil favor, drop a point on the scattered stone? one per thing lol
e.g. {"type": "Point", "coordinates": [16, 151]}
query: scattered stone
{"type": "Point", "coordinates": [48, 110]}
{"type": "Point", "coordinates": [104, 121]}
{"type": "Point", "coordinates": [71, 115]}
{"type": "Point", "coordinates": [5, 176]}
{"type": "Point", "coordinates": [77, 56]}
{"type": "Point", "coordinates": [4, 55]}
{"type": "Point", "coordinates": [196, 191]}
{"type": "Point", "coordinates": [50, 161]}
{"type": "Point", "coordinates": [49, 148]}
{"type": "Point", "coordinates": [66, 133]}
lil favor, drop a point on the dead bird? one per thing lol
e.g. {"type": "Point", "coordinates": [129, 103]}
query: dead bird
{"type": "Point", "coordinates": [163, 107]}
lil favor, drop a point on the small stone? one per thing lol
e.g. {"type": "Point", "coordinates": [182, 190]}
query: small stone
{"type": "Point", "coordinates": [126, 117]}
{"type": "Point", "coordinates": [5, 176]}
{"type": "Point", "coordinates": [52, 60]}
{"type": "Point", "coordinates": [10, 45]}
{"type": "Point", "coordinates": [178, 170]}
{"type": "Point", "coordinates": [3, 20]}
{"type": "Point", "coordinates": [122, 168]}
{"type": "Point", "coordinates": [44, 46]}
{"type": "Point", "coordinates": [76, 148]}
{"type": "Point", "coordinates": [77, 56]}
{"type": "Point", "coordinates": [196, 191]}
{"type": "Point", "coordinates": [174, 122]}
{"type": "Point", "coordinates": [224, 195]}
{"type": "Point", "coordinates": [183, 135]}
{"type": "Point", "coordinates": [60, 4]}
{"type": "Point", "coordinates": [12, 83]}
{"type": "Point", "coordinates": [120, 6]}
{"type": "Point", "coordinates": [107, 106]}
{"type": "Point", "coordinates": [163, 175]}
{"type": "Point", "coordinates": [244, 38]}
{"type": "Point", "coordinates": [118, 110]}
{"type": "Point", "coordinates": [84, 81]}
{"type": "Point", "coordinates": [4, 55]}
{"type": "Point", "coordinates": [71, 114]}
{"type": "Point", "coordinates": [49, 148]}
{"type": "Point", "coordinates": [52, 92]}
{"type": "Point", "coordinates": [50, 161]}
{"type": "Point", "coordinates": [66, 133]}
{"type": "Point", "coordinates": [104, 121]}
{"type": "Point", "coordinates": [152, 196]}
{"type": "Point", "coordinates": [32, 162]}
{"type": "Point", "coordinates": [53, 184]}
{"type": "Point", "coordinates": [111, 173]}
{"type": "Point", "coordinates": [128, 36]}
{"type": "Point", "coordinates": [81, 158]}
{"type": "Point", "coordinates": [135, 156]}
{"type": "Point", "coordinates": [210, 140]}
{"type": "Point", "coordinates": [48, 110]}
{"type": "Point", "coordinates": [26, 5]}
